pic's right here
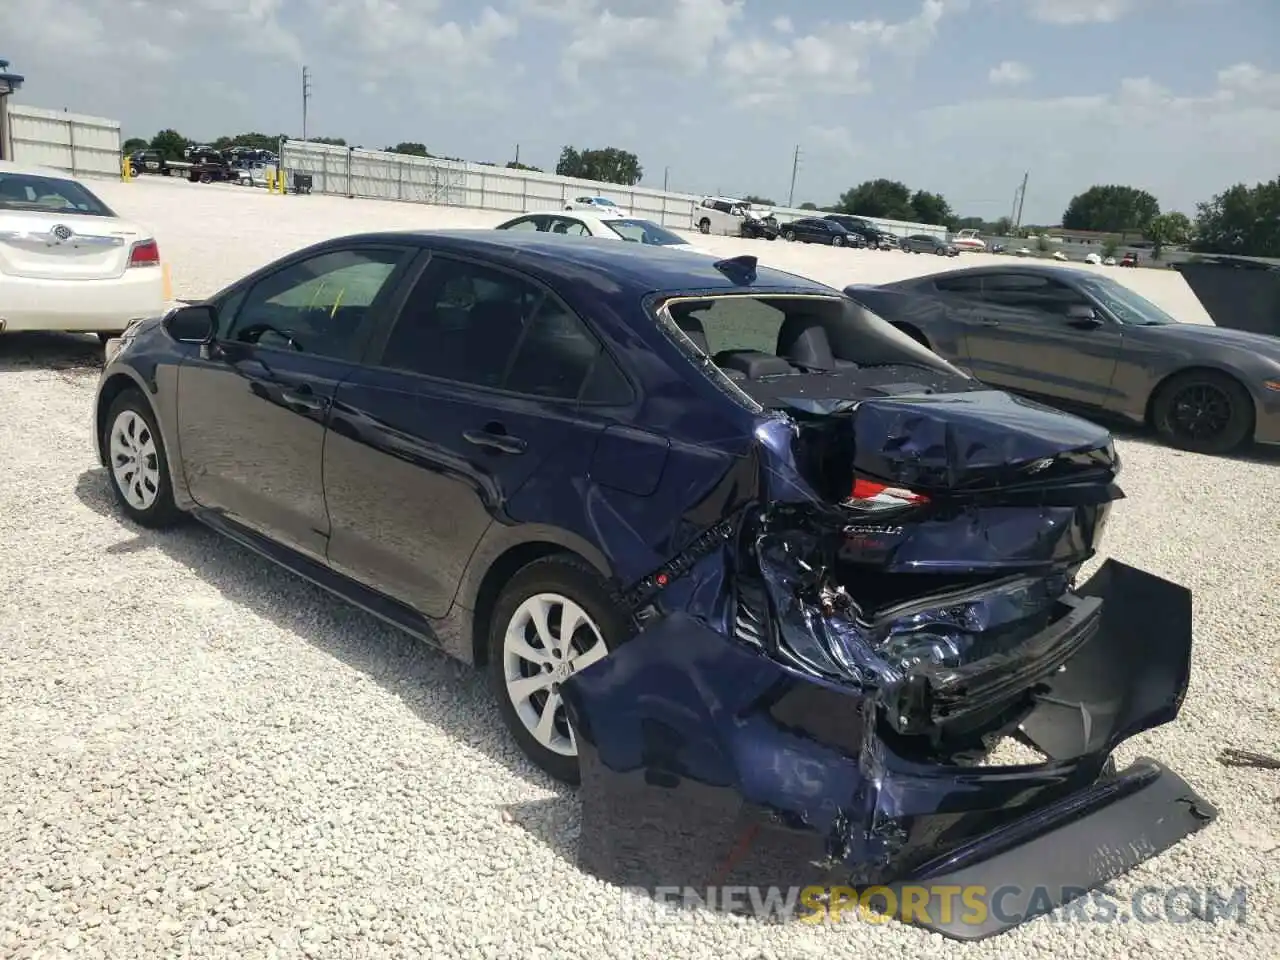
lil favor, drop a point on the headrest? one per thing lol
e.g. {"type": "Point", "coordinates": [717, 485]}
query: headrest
{"type": "Point", "coordinates": [803, 341]}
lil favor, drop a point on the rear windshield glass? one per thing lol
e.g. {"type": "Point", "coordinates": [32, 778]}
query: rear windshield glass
{"type": "Point", "coordinates": [24, 191]}
{"type": "Point", "coordinates": [646, 232]}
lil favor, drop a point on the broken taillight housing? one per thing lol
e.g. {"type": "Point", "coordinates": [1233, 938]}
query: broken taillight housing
{"type": "Point", "coordinates": [145, 253]}
{"type": "Point", "coordinates": [872, 496]}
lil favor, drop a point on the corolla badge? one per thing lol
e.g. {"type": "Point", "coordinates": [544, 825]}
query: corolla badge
{"type": "Point", "coordinates": [60, 233]}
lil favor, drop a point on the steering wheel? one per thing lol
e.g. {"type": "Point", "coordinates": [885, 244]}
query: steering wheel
{"type": "Point", "coordinates": [254, 333]}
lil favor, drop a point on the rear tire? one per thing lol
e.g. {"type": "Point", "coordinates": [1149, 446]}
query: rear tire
{"type": "Point", "coordinates": [704, 225]}
{"type": "Point", "coordinates": [789, 236]}
{"type": "Point", "coordinates": [137, 466]}
{"type": "Point", "coordinates": [837, 241]}
{"type": "Point", "coordinates": [527, 663]}
{"type": "Point", "coordinates": [1203, 411]}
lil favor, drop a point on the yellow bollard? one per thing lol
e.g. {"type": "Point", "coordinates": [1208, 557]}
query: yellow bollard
{"type": "Point", "coordinates": [126, 170]}
{"type": "Point", "coordinates": [167, 280]}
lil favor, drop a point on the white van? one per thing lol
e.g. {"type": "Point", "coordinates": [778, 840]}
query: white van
{"type": "Point", "coordinates": [723, 216]}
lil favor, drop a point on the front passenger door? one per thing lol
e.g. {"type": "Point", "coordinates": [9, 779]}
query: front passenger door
{"type": "Point", "coordinates": [1025, 341]}
{"type": "Point", "coordinates": [253, 406]}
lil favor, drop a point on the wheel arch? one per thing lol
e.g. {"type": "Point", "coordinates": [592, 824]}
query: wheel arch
{"type": "Point", "coordinates": [116, 384]}
{"type": "Point", "coordinates": [1149, 414]}
{"type": "Point", "coordinates": [494, 565]}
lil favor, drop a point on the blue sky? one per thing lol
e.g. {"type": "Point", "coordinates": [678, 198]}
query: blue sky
{"type": "Point", "coordinates": [1181, 97]}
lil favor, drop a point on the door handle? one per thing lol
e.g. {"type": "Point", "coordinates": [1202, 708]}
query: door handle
{"type": "Point", "coordinates": [495, 438]}
{"type": "Point", "coordinates": [988, 322]}
{"type": "Point", "coordinates": [303, 397]}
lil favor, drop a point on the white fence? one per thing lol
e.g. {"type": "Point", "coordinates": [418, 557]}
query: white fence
{"type": "Point", "coordinates": [392, 176]}
{"type": "Point", "coordinates": [81, 145]}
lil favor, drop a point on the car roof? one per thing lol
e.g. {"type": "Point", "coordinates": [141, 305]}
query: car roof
{"type": "Point", "coordinates": [12, 166]}
{"type": "Point", "coordinates": [1030, 269]}
{"type": "Point", "coordinates": [586, 216]}
{"type": "Point", "coordinates": [629, 269]}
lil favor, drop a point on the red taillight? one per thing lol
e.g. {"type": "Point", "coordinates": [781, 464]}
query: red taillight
{"type": "Point", "coordinates": [145, 254]}
{"type": "Point", "coordinates": [873, 495]}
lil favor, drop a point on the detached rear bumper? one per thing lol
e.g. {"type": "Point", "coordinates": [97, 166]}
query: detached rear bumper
{"type": "Point", "coordinates": [706, 764]}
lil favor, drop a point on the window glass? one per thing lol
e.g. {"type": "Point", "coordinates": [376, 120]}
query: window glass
{"type": "Point", "coordinates": [526, 224]}
{"type": "Point", "coordinates": [646, 232]}
{"type": "Point", "coordinates": [730, 323]}
{"type": "Point", "coordinates": [471, 324]}
{"type": "Point", "coordinates": [969, 287]}
{"type": "Point", "coordinates": [22, 191]}
{"type": "Point", "coordinates": [569, 226]}
{"type": "Point", "coordinates": [1030, 292]}
{"type": "Point", "coordinates": [321, 306]}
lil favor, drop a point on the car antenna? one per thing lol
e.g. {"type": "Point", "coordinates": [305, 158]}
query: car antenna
{"type": "Point", "coordinates": [738, 269]}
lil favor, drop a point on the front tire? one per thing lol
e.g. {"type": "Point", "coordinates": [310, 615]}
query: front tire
{"type": "Point", "coordinates": [137, 464]}
{"type": "Point", "coordinates": [837, 241]}
{"type": "Point", "coordinates": [789, 236]}
{"type": "Point", "coordinates": [1203, 411]}
{"type": "Point", "coordinates": [554, 619]}
{"type": "Point", "coordinates": [704, 226]}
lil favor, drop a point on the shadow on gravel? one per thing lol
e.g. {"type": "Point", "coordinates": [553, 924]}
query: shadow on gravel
{"type": "Point", "coordinates": [1252, 453]}
{"type": "Point", "coordinates": [69, 352]}
{"type": "Point", "coordinates": [446, 694]}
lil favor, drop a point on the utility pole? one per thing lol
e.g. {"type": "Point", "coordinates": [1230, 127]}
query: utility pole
{"type": "Point", "coordinates": [517, 156]}
{"type": "Point", "coordinates": [795, 166]}
{"type": "Point", "coordinates": [306, 95]}
{"type": "Point", "coordinates": [666, 174]}
{"type": "Point", "coordinates": [1022, 198]}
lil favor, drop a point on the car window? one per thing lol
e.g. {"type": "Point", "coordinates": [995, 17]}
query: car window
{"type": "Point", "coordinates": [525, 223]}
{"type": "Point", "coordinates": [1030, 292]}
{"type": "Point", "coordinates": [732, 323]}
{"type": "Point", "coordinates": [22, 191]}
{"type": "Point", "coordinates": [968, 287]}
{"type": "Point", "coordinates": [646, 232]}
{"type": "Point", "coordinates": [320, 306]}
{"type": "Point", "coordinates": [472, 324]}
{"type": "Point", "coordinates": [570, 226]}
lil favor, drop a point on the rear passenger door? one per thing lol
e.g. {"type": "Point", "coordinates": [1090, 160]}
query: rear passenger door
{"type": "Point", "coordinates": [485, 380]}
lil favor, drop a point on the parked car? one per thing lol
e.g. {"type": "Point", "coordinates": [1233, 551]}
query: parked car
{"type": "Point", "coordinates": [1094, 259]}
{"type": "Point", "coordinates": [1130, 260]}
{"type": "Point", "coordinates": [600, 206]}
{"type": "Point", "coordinates": [154, 161]}
{"type": "Point", "coordinates": [928, 243]}
{"type": "Point", "coordinates": [67, 261]}
{"type": "Point", "coordinates": [816, 230]}
{"type": "Point", "coordinates": [1109, 262]}
{"type": "Point", "coordinates": [1084, 341]}
{"type": "Point", "coordinates": [576, 224]}
{"type": "Point", "coordinates": [876, 238]}
{"type": "Point", "coordinates": [212, 171]}
{"type": "Point", "coordinates": [249, 173]}
{"type": "Point", "coordinates": [729, 217]}
{"type": "Point", "coordinates": [625, 481]}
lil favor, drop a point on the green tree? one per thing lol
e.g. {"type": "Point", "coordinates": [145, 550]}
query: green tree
{"type": "Point", "coordinates": [170, 144]}
{"type": "Point", "coordinates": [756, 201]}
{"type": "Point", "coordinates": [253, 140]}
{"type": "Point", "coordinates": [931, 208]}
{"type": "Point", "coordinates": [604, 165]}
{"type": "Point", "coordinates": [1111, 209]}
{"type": "Point", "coordinates": [517, 165]}
{"type": "Point", "coordinates": [408, 148]}
{"type": "Point", "coordinates": [1241, 220]}
{"type": "Point", "coordinates": [808, 206]}
{"type": "Point", "coordinates": [885, 199]}
{"type": "Point", "coordinates": [1002, 228]}
{"type": "Point", "coordinates": [133, 145]}
{"type": "Point", "coordinates": [1167, 228]}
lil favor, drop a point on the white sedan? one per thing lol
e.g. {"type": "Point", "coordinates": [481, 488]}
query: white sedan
{"type": "Point", "coordinates": [576, 224]}
{"type": "Point", "coordinates": [600, 206]}
{"type": "Point", "coordinates": [67, 262]}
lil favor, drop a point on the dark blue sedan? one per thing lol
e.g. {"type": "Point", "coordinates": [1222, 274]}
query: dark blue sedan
{"type": "Point", "coordinates": [758, 570]}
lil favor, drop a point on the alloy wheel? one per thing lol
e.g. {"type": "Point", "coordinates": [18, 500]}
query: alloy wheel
{"type": "Point", "coordinates": [1200, 411]}
{"type": "Point", "coordinates": [135, 461]}
{"type": "Point", "coordinates": [548, 639]}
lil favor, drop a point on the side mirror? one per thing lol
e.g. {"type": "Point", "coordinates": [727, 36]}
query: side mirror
{"type": "Point", "coordinates": [196, 323]}
{"type": "Point", "coordinates": [1082, 316]}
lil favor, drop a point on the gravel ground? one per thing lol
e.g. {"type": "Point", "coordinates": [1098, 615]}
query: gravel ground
{"type": "Point", "coordinates": [201, 755]}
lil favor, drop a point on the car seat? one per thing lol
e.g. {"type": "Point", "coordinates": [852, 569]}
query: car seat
{"type": "Point", "coordinates": [803, 342]}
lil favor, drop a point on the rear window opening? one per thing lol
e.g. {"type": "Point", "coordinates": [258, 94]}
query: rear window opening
{"type": "Point", "coordinates": [762, 344]}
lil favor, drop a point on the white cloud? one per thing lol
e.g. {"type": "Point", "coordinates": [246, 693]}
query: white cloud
{"type": "Point", "coordinates": [831, 60]}
{"type": "Point", "coordinates": [783, 25]}
{"type": "Point", "coordinates": [1183, 148]}
{"type": "Point", "coordinates": [623, 33]}
{"type": "Point", "coordinates": [1069, 12]}
{"type": "Point", "coordinates": [1010, 73]}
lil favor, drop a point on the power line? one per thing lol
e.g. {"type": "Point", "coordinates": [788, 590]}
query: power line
{"type": "Point", "coordinates": [306, 95]}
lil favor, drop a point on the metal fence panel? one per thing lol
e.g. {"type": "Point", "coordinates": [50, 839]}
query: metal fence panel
{"type": "Point", "coordinates": [391, 176]}
{"type": "Point", "coordinates": [79, 144]}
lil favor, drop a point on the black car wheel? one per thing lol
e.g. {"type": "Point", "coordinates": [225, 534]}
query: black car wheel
{"type": "Point", "coordinates": [1203, 411]}
{"type": "Point", "coordinates": [136, 462]}
{"type": "Point", "coordinates": [789, 236]}
{"type": "Point", "coordinates": [555, 618]}
{"type": "Point", "coordinates": [837, 241]}
{"type": "Point", "coordinates": [704, 225]}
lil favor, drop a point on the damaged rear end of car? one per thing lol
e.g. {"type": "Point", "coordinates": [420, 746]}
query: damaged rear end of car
{"type": "Point", "coordinates": [885, 596]}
